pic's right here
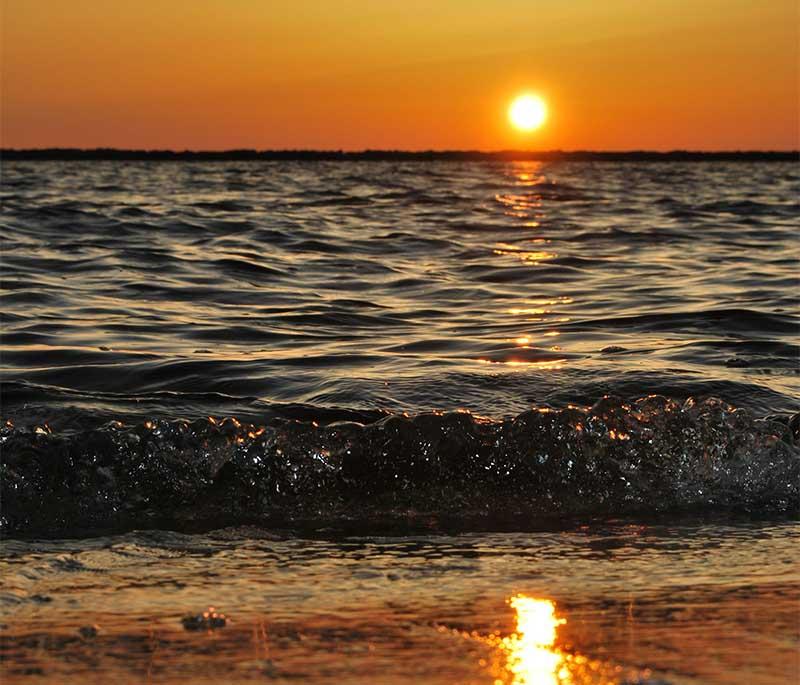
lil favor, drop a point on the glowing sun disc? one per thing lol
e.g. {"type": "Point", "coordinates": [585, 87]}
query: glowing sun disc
{"type": "Point", "coordinates": [527, 112]}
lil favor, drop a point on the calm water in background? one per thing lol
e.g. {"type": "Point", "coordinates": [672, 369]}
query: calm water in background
{"type": "Point", "coordinates": [145, 293]}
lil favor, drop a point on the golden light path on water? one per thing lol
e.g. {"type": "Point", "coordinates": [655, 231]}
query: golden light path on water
{"type": "Point", "coordinates": [527, 205]}
{"type": "Point", "coordinates": [530, 655]}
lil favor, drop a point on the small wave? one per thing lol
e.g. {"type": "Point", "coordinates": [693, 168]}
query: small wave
{"type": "Point", "coordinates": [613, 458]}
{"type": "Point", "coordinates": [726, 320]}
{"type": "Point", "coordinates": [242, 267]}
{"type": "Point", "coordinates": [228, 206]}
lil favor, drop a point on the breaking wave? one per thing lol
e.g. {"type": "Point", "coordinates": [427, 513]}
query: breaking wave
{"type": "Point", "coordinates": [651, 455]}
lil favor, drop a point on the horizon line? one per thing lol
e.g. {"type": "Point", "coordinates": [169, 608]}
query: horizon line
{"type": "Point", "coordinates": [389, 154]}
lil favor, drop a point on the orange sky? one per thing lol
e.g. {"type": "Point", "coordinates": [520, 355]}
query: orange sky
{"type": "Point", "coordinates": [409, 74]}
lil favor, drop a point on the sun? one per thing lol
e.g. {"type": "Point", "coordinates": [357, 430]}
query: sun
{"type": "Point", "coordinates": [527, 112]}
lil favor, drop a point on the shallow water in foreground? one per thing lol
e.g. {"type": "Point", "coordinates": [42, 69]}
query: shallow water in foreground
{"type": "Point", "coordinates": [688, 604]}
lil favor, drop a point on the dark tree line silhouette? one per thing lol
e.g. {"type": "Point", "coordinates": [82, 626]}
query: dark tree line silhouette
{"type": "Point", "coordinates": [77, 154]}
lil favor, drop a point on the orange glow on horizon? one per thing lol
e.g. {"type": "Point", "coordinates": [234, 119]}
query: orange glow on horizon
{"type": "Point", "coordinates": [415, 75]}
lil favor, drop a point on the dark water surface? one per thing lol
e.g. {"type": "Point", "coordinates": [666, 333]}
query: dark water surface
{"type": "Point", "coordinates": [490, 423]}
{"type": "Point", "coordinates": [182, 290]}
{"type": "Point", "coordinates": [323, 299]}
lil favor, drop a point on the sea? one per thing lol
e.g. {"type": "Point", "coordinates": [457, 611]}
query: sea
{"type": "Point", "coordinates": [390, 421]}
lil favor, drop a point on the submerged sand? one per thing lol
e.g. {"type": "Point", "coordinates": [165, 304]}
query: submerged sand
{"type": "Point", "coordinates": [601, 603]}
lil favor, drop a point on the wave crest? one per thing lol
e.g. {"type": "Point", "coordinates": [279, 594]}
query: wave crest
{"type": "Point", "coordinates": [651, 455]}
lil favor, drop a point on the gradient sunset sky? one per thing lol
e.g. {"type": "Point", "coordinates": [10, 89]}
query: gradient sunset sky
{"type": "Point", "coordinates": [408, 74]}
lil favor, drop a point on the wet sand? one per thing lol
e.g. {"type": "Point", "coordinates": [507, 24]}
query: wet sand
{"type": "Point", "coordinates": [602, 603]}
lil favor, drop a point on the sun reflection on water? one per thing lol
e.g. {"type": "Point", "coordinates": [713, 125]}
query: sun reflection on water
{"type": "Point", "coordinates": [540, 306]}
{"type": "Point", "coordinates": [534, 256]}
{"type": "Point", "coordinates": [539, 364]}
{"type": "Point", "coordinates": [531, 656]}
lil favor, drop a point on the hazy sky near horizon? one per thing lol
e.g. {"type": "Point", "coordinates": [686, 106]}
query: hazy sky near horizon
{"type": "Point", "coordinates": [410, 74]}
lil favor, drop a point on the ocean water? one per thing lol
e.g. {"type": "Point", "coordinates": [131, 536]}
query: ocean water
{"type": "Point", "coordinates": [374, 411]}
{"type": "Point", "coordinates": [182, 290]}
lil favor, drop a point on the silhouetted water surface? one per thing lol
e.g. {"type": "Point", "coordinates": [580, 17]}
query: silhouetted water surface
{"type": "Point", "coordinates": [182, 290]}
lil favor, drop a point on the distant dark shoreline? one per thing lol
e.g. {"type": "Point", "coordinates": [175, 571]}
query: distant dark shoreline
{"type": "Point", "coordinates": [111, 154]}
